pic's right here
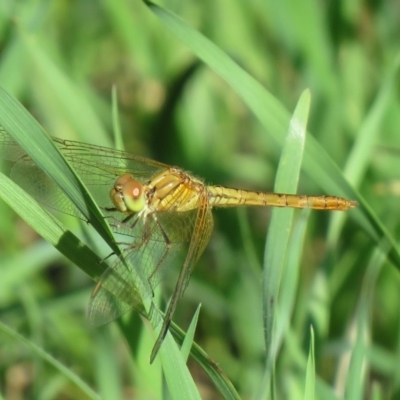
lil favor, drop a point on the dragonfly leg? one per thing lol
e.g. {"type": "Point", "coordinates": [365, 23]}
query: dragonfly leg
{"type": "Point", "coordinates": [107, 257]}
{"type": "Point", "coordinates": [118, 223]}
{"type": "Point", "coordinates": [131, 245]}
{"type": "Point", "coordinates": [165, 253]}
{"type": "Point", "coordinates": [110, 209]}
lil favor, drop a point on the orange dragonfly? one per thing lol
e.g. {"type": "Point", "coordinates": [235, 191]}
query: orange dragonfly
{"type": "Point", "coordinates": [164, 211]}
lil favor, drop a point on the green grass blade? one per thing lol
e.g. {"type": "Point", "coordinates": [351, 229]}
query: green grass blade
{"type": "Point", "coordinates": [86, 390]}
{"type": "Point", "coordinates": [119, 145]}
{"type": "Point", "coordinates": [189, 338]}
{"type": "Point", "coordinates": [360, 156]}
{"type": "Point", "coordinates": [276, 249]}
{"type": "Point", "coordinates": [281, 220]}
{"type": "Point", "coordinates": [70, 97]}
{"type": "Point", "coordinates": [23, 127]}
{"type": "Point", "coordinates": [309, 392]}
{"type": "Point", "coordinates": [49, 228]}
{"type": "Point", "coordinates": [216, 374]}
{"type": "Point", "coordinates": [180, 382]}
{"type": "Point", "coordinates": [360, 326]}
{"type": "Point", "coordinates": [19, 124]}
{"type": "Point", "coordinates": [317, 162]}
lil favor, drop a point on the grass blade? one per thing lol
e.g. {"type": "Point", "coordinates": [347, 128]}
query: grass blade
{"type": "Point", "coordinates": [281, 220]}
{"type": "Point", "coordinates": [274, 117]}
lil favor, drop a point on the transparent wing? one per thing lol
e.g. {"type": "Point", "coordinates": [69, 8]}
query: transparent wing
{"type": "Point", "coordinates": [202, 226]}
{"type": "Point", "coordinates": [114, 295]}
{"type": "Point", "coordinates": [97, 166]}
{"type": "Point", "coordinates": [161, 242]}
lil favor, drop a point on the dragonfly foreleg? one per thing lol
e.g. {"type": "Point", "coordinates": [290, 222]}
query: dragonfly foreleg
{"type": "Point", "coordinates": [118, 226]}
{"type": "Point", "coordinates": [110, 209]}
{"type": "Point", "coordinates": [118, 223]}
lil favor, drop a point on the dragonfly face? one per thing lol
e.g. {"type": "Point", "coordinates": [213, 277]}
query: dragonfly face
{"type": "Point", "coordinates": [128, 195]}
{"type": "Point", "coordinates": [164, 211]}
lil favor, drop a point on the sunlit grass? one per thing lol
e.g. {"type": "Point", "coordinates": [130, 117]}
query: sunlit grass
{"type": "Point", "coordinates": [61, 60]}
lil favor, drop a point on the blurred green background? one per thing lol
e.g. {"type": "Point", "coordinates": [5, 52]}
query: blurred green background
{"type": "Point", "coordinates": [61, 59]}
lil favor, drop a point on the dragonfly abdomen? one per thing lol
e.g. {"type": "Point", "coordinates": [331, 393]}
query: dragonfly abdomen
{"type": "Point", "coordinates": [220, 196]}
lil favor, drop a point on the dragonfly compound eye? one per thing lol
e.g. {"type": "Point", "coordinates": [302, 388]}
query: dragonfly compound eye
{"type": "Point", "coordinates": [133, 195]}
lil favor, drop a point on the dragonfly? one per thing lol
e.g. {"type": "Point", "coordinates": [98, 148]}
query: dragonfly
{"type": "Point", "coordinates": [164, 211]}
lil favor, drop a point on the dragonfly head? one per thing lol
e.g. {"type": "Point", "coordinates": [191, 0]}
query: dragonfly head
{"type": "Point", "coordinates": [128, 195]}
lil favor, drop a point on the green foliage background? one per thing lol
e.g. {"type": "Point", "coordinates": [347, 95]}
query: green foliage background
{"type": "Point", "coordinates": [60, 59]}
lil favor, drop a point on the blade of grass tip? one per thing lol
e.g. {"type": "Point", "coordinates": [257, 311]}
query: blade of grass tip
{"type": "Point", "coordinates": [317, 162]}
{"type": "Point", "coordinates": [24, 129]}
{"type": "Point", "coordinates": [49, 228]}
{"type": "Point", "coordinates": [215, 373]}
{"type": "Point", "coordinates": [179, 380]}
{"type": "Point", "coordinates": [189, 338]}
{"type": "Point", "coordinates": [299, 362]}
{"type": "Point", "coordinates": [281, 219]}
{"type": "Point", "coordinates": [309, 391]}
{"type": "Point", "coordinates": [86, 390]}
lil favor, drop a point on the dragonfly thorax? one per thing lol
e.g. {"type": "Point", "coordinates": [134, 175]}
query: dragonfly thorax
{"type": "Point", "coordinates": [128, 194]}
{"type": "Point", "coordinates": [174, 190]}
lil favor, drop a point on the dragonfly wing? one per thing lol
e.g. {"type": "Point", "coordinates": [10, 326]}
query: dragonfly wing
{"type": "Point", "coordinates": [9, 149]}
{"type": "Point", "coordinates": [114, 295]}
{"type": "Point", "coordinates": [166, 238]}
{"type": "Point", "coordinates": [135, 276]}
{"type": "Point", "coordinates": [200, 236]}
{"type": "Point", "coordinates": [98, 167]}
{"type": "Point", "coordinates": [100, 164]}
{"type": "Point", "coordinates": [160, 242]}
{"type": "Point", "coordinates": [32, 179]}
